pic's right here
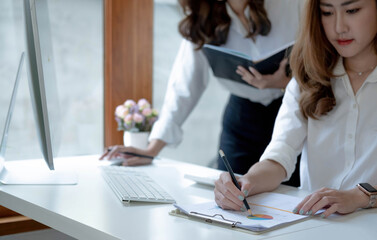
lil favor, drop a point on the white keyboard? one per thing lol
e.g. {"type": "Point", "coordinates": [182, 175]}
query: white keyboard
{"type": "Point", "coordinates": [130, 185]}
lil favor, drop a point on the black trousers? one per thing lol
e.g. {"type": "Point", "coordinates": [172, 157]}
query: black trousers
{"type": "Point", "coordinates": [247, 130]}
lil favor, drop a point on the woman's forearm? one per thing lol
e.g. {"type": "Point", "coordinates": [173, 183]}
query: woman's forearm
{"type": "Point", "coordinates": [155, 146]}
{"type": "Point", "coordinates": [267, 176]}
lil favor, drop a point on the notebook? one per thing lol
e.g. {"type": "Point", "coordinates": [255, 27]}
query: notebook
{"type": "Point", "coordinates": [224, 61]}
{"type": "Point", "coordinates": [271, 211]}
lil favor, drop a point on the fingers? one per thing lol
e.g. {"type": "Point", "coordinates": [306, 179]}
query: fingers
{"type": "Point", "coordinates": [107, 152]}
{"type": "Point", "coordinates": [114, 151]}
{"type": "Point", "coordinates": [119, 151]}
{"type": "Point", "coordinates": [256, 74]}
{"type": "Point", "coordinates": [322, 203]}
{"type": "Point", "coordinates": [332, 209]}
{"type": "Point", "coordinates": [331, 200]}
{"type": "Point", "coordinates": [103, 155]}
{"type": "Point", "coordinates": [245, 186]}
{"type": "Point", "coordinates": [297, 209]}
{"type": "Point", "coordinates": [227, 195]}
{"type": "Point", "coordinates": [241, 71]}
{"type": "Point", "coordinates": [314, 202]}
{"type": "Point", "coordinates": [225, 203]}
{"type": "Point", "coordinates": [251, 76]}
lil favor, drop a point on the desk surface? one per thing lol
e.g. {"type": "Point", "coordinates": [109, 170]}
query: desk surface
{"type": "Point", "coordinates": [90, 210]}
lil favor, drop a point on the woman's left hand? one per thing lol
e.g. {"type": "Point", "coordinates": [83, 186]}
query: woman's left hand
{"type": "Point", "coordinates": [334, 201]}
{"type": "Point", "coordinates": [278, 79]}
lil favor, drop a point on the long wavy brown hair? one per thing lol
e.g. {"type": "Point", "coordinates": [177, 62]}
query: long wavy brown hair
{"type": "Point", "coordinates": [207, 21]}
{"type": "Point", "coordinates": [312, 61]}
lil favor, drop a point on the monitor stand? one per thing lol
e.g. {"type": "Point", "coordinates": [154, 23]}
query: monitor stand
{"type": "Point", "coordinates": [20, 172]}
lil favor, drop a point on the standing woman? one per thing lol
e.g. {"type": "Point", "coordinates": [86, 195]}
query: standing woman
{"type": "Point", "coordinates": [253, 27]}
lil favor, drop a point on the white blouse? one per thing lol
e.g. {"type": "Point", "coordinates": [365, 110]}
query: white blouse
{"type": "Point", "coordinates": [340, 149]}
{"type": "Point", "coordinates": [190, 74]}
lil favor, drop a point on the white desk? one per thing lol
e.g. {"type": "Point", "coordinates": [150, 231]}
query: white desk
{"type": "Point", "coordinates": [90, 210]}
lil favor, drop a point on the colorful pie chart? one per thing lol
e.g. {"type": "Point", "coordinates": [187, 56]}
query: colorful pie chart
{"type": "Point", "coordinates": [259, 217]}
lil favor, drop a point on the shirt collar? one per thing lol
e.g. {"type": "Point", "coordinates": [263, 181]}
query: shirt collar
{"type": "Point", "coordinates": [372, 78]}
{"type": "Point", "coordinates": [339, 70]}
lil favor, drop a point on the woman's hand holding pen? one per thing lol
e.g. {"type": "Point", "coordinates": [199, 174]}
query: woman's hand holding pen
{"type": "Point", "coordinates": [263, 176]}
{"type": "Point", "coordinates": [277, 80]}
{"type": "Point", "coordinates": [228, 196]}
{"type": "Point", "coordinates": [143, 157]}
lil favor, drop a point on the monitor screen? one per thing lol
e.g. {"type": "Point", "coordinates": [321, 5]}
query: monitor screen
{"type": "Point", "coordinates": [39, 71]}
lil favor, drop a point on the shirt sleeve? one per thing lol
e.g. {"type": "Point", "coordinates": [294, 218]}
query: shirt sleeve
{"type": "Point", "coordinates": [187, 82]}
{"type": "Point", "coordinates": [290, 131]}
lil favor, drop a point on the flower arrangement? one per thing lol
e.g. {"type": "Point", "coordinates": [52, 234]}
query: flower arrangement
{"type": "Point", "coordinates": [135, 117]}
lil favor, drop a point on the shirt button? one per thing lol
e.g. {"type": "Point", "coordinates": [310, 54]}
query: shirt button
{"type": "Point", "coordinates": [354, 105]}
{"type": "Point", "coordinates": [350, 136]}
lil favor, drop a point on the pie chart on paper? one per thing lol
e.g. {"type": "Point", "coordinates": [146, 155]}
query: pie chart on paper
{"type": "Point", "coordinates": [260, 217]}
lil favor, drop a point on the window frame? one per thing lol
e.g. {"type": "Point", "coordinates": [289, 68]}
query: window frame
{"type": "Point", "coordinates": [128, 64]}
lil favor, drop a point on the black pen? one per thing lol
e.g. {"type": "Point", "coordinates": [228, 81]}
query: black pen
{"type": "Point", "coordinates": [135, 154]}
{"type": "Point", "coordinates": [227, 165]}
{"type": "Point", "coordinates": [138, 155]}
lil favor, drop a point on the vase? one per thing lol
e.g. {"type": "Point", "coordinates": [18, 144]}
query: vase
{"type": "Point", "coordinates": [136, 139]}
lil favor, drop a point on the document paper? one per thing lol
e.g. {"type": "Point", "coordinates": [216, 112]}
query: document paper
{"type": "Point", "coordinates": [272, 210]}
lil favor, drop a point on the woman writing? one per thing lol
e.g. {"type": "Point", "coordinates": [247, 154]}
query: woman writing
{"type": "Point", "coordinates": [253, 27]}
{"type": "Point", "coordinates": [327, 112]}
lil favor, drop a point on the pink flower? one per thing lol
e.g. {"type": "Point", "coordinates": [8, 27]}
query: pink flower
{"type": "Point", "coordinates": [128, 119]}
{"type": "Point", "coordinates": [129, 103]}
{"type": "Point", "coordinates": [147, 112]}
{"type": "Point", "coordinates": [143, 103]}
{"type": "Point", "coordinates": [121, 111]}
{"type": "Point", "coordinates": [138, 118]}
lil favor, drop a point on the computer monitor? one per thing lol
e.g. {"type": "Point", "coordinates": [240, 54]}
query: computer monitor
{"type": "Point", "coordinates": [40, 69]}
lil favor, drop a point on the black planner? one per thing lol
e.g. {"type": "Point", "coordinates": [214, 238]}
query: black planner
{"type": "Point", "coordinates": [224, 61]}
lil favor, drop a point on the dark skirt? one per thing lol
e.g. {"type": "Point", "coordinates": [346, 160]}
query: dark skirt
{"type": "Point", "coordinates": [247, 130]}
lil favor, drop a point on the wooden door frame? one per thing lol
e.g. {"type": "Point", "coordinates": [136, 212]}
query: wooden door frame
{"type": "Point", "coordinates": [128, 58]}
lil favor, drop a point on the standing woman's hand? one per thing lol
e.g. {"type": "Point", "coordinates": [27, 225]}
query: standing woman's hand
{"type": "Point", "coordinates": [117, 151]}
{"type": "Point", "coordinates": [278, 79]}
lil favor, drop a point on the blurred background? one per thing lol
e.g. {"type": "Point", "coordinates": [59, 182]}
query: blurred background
{"type": "Point", "coordinates": [78, 48]}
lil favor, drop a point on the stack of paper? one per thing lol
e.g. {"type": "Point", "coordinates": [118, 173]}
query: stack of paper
{"type": "Point", "coordinates": [271, 210]}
